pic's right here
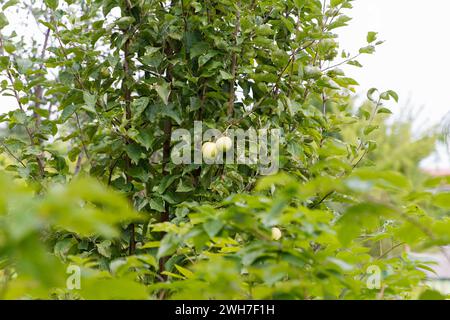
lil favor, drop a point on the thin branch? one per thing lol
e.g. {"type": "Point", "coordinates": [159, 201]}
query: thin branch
{"type": "Point", "coordinates": [390, 250]}
{"type": "Point", "coordinates": [342, 62]}
{"type": "Point", "coordinates": [111, 169]}
{"type": "Point", "coordinates": [39, 91]}
{"type": "Point", "coordinates": [12, 154]}
{"type": "Point", "coordinates": [128, 116]}
{"type": "Point", "coordinates": [78, 164]}
{"type": "Point", "coordinates": [232, 93]}
{"type": "Point", "coordinates": [318, 203]}
{"type": "Point", "coordinates": [77, 118]}
{"type": "Point", "coordinates": [16, 95]}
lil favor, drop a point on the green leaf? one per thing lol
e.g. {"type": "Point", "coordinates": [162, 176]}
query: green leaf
{"type": "Point", "coordinates": [299, 4]}
{"type": "Point", "coordinates": [138, 107]}
{"type": "Point", "coordinates": [393, 94]}
{"type": "Point", "coordinates": [90, 101]}
{"type": "Point", "coordinates": [125, 22]}
{"type": "Point", "coordinates": [183, 187]}
{"type": "Point", "coordinates": [212, 227]}
{"type": "Point", "coordinates": [368, 49]}
{"type": "Point", "coordinates": [3, 20]}
{"type": "Point", "coordinates": [384, 110]}
{"type": "Point", "coordinates": [145, 138]}
{"type": "Point", "coordinates": [63, 247]}
{"type": "Point", "coordinates": [10, 3]}
{"type": "Point", "coordinates": [168, 246]}
{"type": "Point", "coordinates": [165, 183]}
{"type": "Point", "coordinates": [157, 204]}
{"type": "Point", "coordinates": [355, 63]}
{"type": "Point", "coordinates": [134, 152]}
{"type": "Point", "coordinates": [52, 4]}
{"type": "Point", "coordinates": [4, 60]}
{"type": "Point", "coordinates": [371, 36]}
{"type": "Point", "coordinates": [364, 216]}
{"type": "Point", "coordinates": [185, 272]}
{"type": "Point", "coordinates": [335, 3]}
{"type": "Point", "coordinates": [370, 93]}
{"type": "Point", "coordinates": [370, 129]}
{"type": "Point", "coordinates": [431, 295]}
{"type": "Point", "coordinates": [163, 92]}
{"type": "Point", "coordinates": [442, 200]}
{"type": "Point", "coordinates": [225, 75]}
{"type": "Point", "coordinates": [387, 179]}
{"type": "Point", "coordinates": [113, 289]}
{"type": "Point", "coordinates": [104, 248]}
{"type": "Point", "coordinates": [172, 113]}
{"type": "Point", "coordinates": [19, 116]}
{"type": "Point", "coordinates": [67, 113]}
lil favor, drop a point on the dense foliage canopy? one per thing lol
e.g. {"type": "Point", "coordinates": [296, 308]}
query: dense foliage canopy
{"type": "Point", "coordinates": [91, 183]}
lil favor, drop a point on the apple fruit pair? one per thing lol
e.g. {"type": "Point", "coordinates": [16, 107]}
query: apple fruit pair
{"type": "Point", "coordinates": [211, 149]}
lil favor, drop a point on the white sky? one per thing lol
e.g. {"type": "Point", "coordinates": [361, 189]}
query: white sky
{"type": "Point", "coordinates": [414, 60]}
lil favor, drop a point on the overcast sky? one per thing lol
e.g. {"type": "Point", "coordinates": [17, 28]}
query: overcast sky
{"type": "Point", "coordinates": [414, 60]}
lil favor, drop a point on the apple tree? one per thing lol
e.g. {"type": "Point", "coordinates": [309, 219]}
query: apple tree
{"type": "Point", "coordinates": [97, 94]}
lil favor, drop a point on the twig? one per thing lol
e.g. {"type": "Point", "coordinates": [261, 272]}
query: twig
{"type": "Point", "coordinates": [232, 94]}
{"type": "Point", "coordinates": [78, 164]}
{"type": "Point", "coordinates": [16, 95]}
{"type": "Point", "coordinates": [128, 116]}
{"type": "Point", "coordinates": [390, 250]}
{"type": "Point", "coordinates": [12, 154]}
{"type": "Point", "coordinates": [342, 62]}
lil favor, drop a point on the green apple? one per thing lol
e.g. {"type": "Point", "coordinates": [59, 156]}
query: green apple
{"type": "Point", "coordinates": [209, 150]}
{"type": "Point", "coordinates": [224, 144]}
{"type": "Point", "coordinates": [276, 234]}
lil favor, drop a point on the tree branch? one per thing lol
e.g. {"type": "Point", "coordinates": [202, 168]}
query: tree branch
{"type": "Point", "coordinates": [232, 94]}
{"type": "Point", "coordinates": [16, 95]}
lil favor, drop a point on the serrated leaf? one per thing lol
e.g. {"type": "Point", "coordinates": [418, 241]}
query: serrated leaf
{"type": "Point", "coordinates": [212, 227]}
{"type": "Point", "coordinates": [52, 4]}
{"type": "Point", "coordinates": [169, 245]}
{"type": "Point", "coordinates": [371, 36]}
{"type": "Point", "coordinates": [355, 63]}
{"type": "Point", "coordinates": [367, 50]}
{"type": "Point", "coordinates": [225, 75]}
{"type": "Point", "coordinates": [67, 113]}
{"type": "Point", "coordinates": [138, 106]}
{"type": "Point", "coordinates": [134, 152]}
{"type": "Point", "coordinates": [431, 295]}
{"type": "Point", "coordinates": [90, 101]}
{"type": "Point", "coordinates": [10, 3]}
{"type": "Point", "coordinates": [157, 204]}
{"type": "Point", "coordinates": [183, 187]}
{"type": "Point", "coordinates": [3, 20]}
{"type": "Point", "coordinates": [393, 94]}
{"type": "Point", "coordinates": [370, 93]}
{"type": "Point", "coordinates": [384, 110]}
{"type": "Point", "coordinates": [163, 91]}
{"type": "Point", "coordinates": [185, 272]}
{"type": "Point", "coordinates": [442, 200]}
{"type": "Point", "coordinates": [104, 248]}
